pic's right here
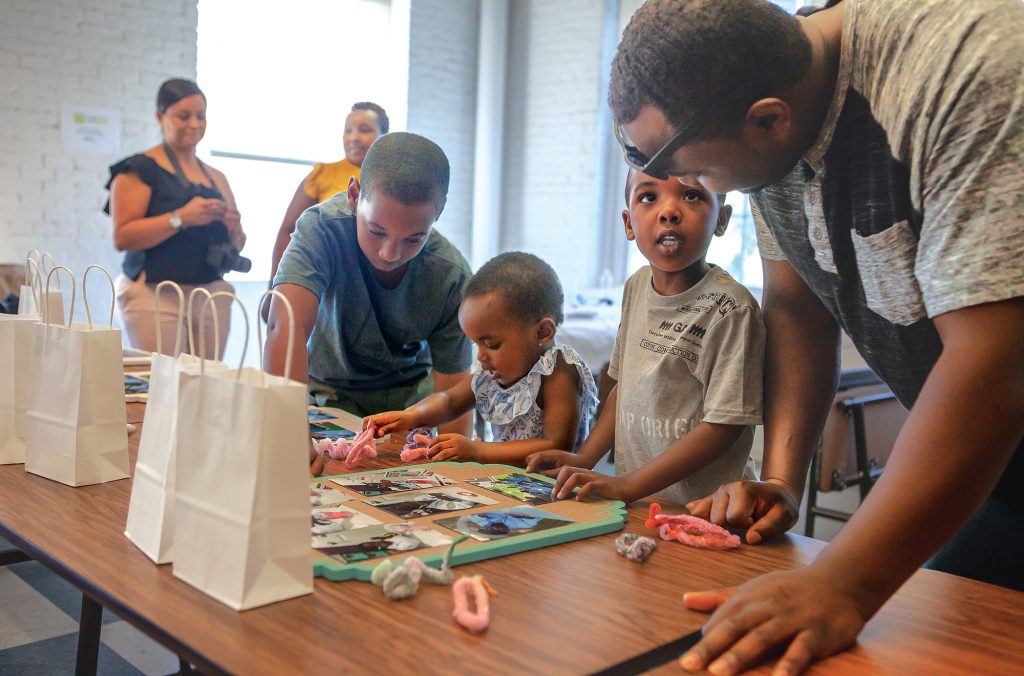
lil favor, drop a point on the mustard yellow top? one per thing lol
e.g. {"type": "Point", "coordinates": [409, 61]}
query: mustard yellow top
{"type": "Point", "coordinates": [327, 179]}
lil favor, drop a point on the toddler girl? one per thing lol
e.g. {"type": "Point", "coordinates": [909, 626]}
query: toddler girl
{"type": "Point", "coordinates": [536, 394]}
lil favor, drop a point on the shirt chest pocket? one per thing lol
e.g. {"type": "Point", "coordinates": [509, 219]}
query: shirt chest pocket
{"type": "Point", "coordinates": [886, 261]}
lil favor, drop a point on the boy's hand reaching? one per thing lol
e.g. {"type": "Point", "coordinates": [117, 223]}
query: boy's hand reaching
{"type": "Point", "coordinates": [589, 483]}
{"type": "Point", "coordinates": [807, 611]}
{"type": "Point", "coordinates": [764, 508]}
{"type": "Point", "coordinates": [390, 421]}
{"type": "Point", "coordinates": [551, 459]}
{"type": "Point", "coordinates": [454, 447]}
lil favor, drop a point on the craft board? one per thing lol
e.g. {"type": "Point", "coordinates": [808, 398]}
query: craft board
{"type": "Point", "coordinates": [136, 386]}
{"type": "Point", "coordinates": [419, 509]}
{"type": "Point", "coordinates": [136, 357]}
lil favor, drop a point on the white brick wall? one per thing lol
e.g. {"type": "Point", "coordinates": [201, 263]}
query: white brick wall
{"type": "Point", "coordinates": [104, 53]}
{"type": "Point", "coordinates": [442, 98]}
{"type": "Point", "coordinates": [550, 160]}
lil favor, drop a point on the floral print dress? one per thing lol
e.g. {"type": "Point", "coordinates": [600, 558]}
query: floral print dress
{"type": "Point", "coordinates": [513, 411]}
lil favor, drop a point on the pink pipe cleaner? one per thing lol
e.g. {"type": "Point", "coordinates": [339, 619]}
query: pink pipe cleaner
{"type": "Point", "coordinates": [690, 530]}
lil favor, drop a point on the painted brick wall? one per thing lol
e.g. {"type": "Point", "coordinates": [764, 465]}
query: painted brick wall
{"type": "Point", "coordinates": [442, 98]}
{"type": "Point", "coordinates": [106, 53]}
{"type": "Point", "coordinates": [550, 158]}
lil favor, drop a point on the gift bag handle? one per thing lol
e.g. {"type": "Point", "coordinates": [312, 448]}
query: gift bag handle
{"type": "Point", "coordinates": [291, 331]}
{"type": "Point", "coordinates": [85, 296]}
{"type": "Point", "coordinates": [53, 263]}
{"type": "Point", "coordinates": [216, 325]}
{"type": "Point", "coordinates": [46, 305]}
{"type": "Point", "coordinates": [35, 283]}
{"type": "Point", "coordinates": [156, 316]}
{"type": "Point", "coordinates": [202, 331]}
{"type": "Point", "coordinates": [32, 255]}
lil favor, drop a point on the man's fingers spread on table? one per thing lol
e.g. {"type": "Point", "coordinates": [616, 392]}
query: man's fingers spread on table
{"type": "Point", "coordinates": [714, 644]}
{"type": "Point", "coordinates": [798, 655]}
{"type": "Point", "coordinates": [753, 646]}
{"type": "Point", "coordinates": [707, 601]}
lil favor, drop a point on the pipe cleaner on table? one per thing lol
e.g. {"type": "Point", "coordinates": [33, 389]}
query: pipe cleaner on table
{"type": "Point", "coordinates": [475, 588]}
{"type": "Point", "coordinates": [690, 530]}
{"type": "Point", "coordinates": [364, 445]}
{"type": "Point", "coordinates": [403, 581]}
{"type": "Point", "coordinates": [636, 548]}
{"type": "Point", "coordinates": [417, 444]}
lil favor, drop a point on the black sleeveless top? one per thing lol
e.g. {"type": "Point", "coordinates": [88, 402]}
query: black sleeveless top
{"type": "Point", "coordinates": [182, 257]}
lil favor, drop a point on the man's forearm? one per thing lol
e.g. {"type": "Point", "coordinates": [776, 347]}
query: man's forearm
{"type": "Point", "coordinates": [961, 434]}
{"type": "Point", "coordinates": [801, 375]}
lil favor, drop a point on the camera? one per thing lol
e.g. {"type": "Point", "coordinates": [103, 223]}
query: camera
{"type": "Point", "coordinates": [224, 258]}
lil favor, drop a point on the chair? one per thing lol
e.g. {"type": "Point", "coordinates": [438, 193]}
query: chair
{"type": "Point", "coordinates": [858, 436]}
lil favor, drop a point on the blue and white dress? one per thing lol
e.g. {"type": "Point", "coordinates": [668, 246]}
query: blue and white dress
{"type": "Point", "coordinates": [513, 411]}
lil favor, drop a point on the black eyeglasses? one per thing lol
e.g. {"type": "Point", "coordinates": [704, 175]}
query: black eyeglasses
{"type": "Point", "coordinates": [655, 166]}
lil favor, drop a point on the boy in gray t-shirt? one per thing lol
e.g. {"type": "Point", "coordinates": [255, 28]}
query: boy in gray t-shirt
{"type": "Point", "coordinates": [374, 289]}
{"type": "Point", "coordinates": [688, 360]}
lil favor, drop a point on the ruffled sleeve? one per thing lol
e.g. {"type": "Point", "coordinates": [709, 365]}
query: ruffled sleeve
{"type": "Point", "coordinates": [502, 406]}
{"type": "Point", "coordinates": [142, 165]}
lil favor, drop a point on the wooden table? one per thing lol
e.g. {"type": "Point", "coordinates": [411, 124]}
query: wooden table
{"type": "Point", "coordinates": [572, 608]}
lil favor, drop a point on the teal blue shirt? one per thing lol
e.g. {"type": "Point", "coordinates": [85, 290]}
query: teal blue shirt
{"type": "Point", "coordinates": [367, 337]}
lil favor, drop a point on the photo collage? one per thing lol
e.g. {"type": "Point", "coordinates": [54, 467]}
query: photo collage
{"type": "Point", "coordinates": [345, 527]}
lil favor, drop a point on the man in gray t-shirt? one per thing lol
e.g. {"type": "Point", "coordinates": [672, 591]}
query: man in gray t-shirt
{"type": "Point", "coordinates": [375, 289]}
{"type": "Point", "coordinates": [882, 144]}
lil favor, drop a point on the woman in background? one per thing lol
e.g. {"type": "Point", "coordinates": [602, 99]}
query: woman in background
{"type": "Point", "coordinates": [176, 219]}
{"type": "Point", "coordinates": [365, 124]}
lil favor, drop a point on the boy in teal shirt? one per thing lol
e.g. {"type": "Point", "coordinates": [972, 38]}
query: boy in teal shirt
{"type": "Point", "coordinates": [374, 289]}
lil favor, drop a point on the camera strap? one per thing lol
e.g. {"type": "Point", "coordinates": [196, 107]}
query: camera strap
{"type": "Point", "coordinates": [185, 183]}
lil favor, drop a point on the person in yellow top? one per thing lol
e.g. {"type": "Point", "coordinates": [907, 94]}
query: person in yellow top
{"type": "Point", "coordinates": [365, 124]}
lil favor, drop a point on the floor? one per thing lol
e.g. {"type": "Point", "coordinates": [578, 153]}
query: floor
{"type": "Point", "coordinates": [39, 614]}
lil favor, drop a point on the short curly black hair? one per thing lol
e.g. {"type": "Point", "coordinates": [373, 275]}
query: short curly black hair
{"type": "Point", "coordinates": [382, 115]}
{"type": "Point", "coordinates": [407, 167]}
{"type": "Point", "coordinates": [528, 285]}
{"type": "Point", "coordinates": [678, 55]}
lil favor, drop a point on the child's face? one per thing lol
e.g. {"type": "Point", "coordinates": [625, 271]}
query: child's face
{"type": "Point", "coordinates": [507, 347]}
{"type": "Point", "coordinates": [362, 128]}
{"type": "Point", "coordinates": [672, 223]}
{"type": "Point", "coordinates": [391, 233]}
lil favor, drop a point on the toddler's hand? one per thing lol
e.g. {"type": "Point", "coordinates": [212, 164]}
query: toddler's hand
{"type": "Point", "coordinates": [389, 421]}
{"type": "Point", "coordinates": [554, 459]}
{"type": "Point", "coordinates": [316, 461]}
{"type": "Point", "coordinates": [589, 483]}
{"type": "Point", "coordinates": [453, 447]}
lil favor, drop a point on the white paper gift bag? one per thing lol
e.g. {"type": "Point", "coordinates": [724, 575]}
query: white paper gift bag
{"type": "Point", "coordinates": [16, 338]}
{"type": "Point", "coordinates": [151, 508]}
{"type": "Point", "coordinates": [76, 429]}
{"type": "Point", "coordinates": [33, 297]}
{"type": "Point", "coordinates": [241, 531]}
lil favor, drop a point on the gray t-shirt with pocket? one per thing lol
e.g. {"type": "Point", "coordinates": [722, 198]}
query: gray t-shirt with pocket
{"type": "Point", "coordinates": [367, 337]}
{"type": "Point", "coordinates": [911, 202]}
{"type": "Point", "coordinates": [681, 360]}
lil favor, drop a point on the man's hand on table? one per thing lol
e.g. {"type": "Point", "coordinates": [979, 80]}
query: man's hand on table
{"type": "Point", "coordinates": [764, 508]}
{"type": "Point", "coordinates": [807, 612]}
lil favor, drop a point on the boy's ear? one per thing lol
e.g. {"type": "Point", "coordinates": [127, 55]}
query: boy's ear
{"type": "Point", "coordinates": [770, 119]}
{"type": "Point", "coordinates": [440, 207]}
{"type": "Point", "coordinates": [724, 214]}
{"type": "Point", "coordinates": [353, 191]}
{"type": "Point", "coordinates": [630, 236]}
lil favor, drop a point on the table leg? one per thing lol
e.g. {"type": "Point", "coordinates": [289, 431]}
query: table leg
{"type": "Point", "coordinates": [88, 637]}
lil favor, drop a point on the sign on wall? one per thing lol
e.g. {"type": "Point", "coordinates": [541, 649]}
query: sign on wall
{"type": "Point", "coordinates": [90, 130]}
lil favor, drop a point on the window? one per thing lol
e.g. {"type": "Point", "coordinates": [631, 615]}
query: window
{"type": "Point", "coordinates": [280, 79]}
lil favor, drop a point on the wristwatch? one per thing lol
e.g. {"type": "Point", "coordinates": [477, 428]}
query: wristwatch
{"type": "Point", "coordinates": [175, 220]}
